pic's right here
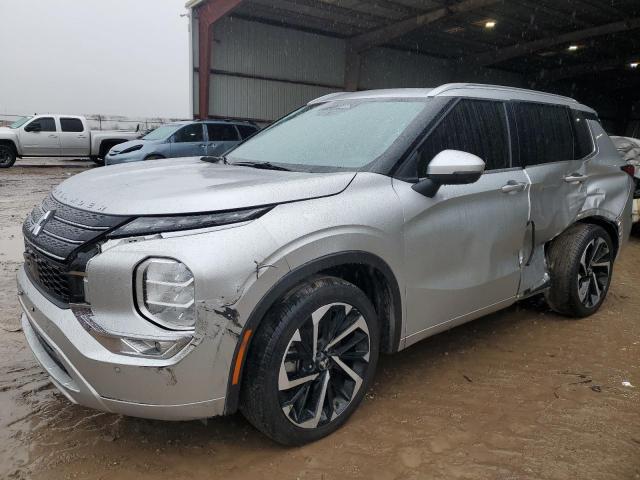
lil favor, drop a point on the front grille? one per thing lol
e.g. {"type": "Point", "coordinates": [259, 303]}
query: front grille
{"type": "Point", "coordinates": [59, 240]}
{"type": "Point", "coordinates": [52, 277]}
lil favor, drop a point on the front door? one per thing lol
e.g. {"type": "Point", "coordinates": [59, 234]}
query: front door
{"type": "Point", "coordinates": [189, 141]}
{"type": "Point", "coordinates": [221, 137]}
{"type": "Point", "coordinates": [40, 137]}
{"type": "Point", "coordinates": [464, 247]}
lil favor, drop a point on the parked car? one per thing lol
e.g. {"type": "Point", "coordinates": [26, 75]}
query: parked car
{"type": "Point", "coordinates": [629, 148]}
{"type": "Point", "coordinates": [183, 139]}
{"type": "Point", "coordinates": [270, 279]}
{"type": "Point", "coordinates": [56, 136]}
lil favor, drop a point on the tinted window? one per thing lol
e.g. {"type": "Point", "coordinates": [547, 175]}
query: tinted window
{"type": "Point", "coordinates": [544, 133]}
{"type": "Point", "coordinates": [71, 125]}
{"type": "Point", "coordinates": [190, 133]}
{"type": "Point", "coordinates": [222, 132]}
{"type": "Point", "coordinates": [582, 142]}
{"type": "Point", "coordinates": [47, 124]}
{"type": "Point", "coordinates": [246, 131]}
{"type": "Point", "coordinates": [473, 126]}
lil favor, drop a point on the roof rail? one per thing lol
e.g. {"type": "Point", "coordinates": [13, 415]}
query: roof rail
{"type": "Point", "coordinates": [456, 86]}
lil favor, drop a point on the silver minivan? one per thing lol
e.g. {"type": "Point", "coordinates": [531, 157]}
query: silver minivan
{"type": "Point", "coordinates": [269, 280]}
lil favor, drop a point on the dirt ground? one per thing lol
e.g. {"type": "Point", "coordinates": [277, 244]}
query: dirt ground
{"type": "Point", "coordinates": [522, 394]}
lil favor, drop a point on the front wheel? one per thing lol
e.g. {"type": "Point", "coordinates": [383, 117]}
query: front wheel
{"type": "Point", "coordinates": [580, 266]}
{"type": "Point", "coordinates": [311, 362]}
{"type": "Point", "coordinates": [7, 156]}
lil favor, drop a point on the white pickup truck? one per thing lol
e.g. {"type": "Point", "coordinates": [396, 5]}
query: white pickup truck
{"type": "Point", "coordinates": [56, 136]}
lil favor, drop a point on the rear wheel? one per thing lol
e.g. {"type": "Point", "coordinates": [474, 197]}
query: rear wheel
{"type": "Point", "coordinates": [580, 264]}
{"type": "Point", "coordinates": [311, 362]}
{"type": "Point", "coordinates": [7, 156]}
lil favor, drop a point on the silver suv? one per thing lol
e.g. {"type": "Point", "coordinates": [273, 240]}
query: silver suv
{"type": "Point", "coordinates": [271, 279]}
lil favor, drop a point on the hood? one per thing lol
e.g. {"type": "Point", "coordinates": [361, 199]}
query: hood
{"type": "Point", "coordinates": [131, 143]}
{"type": "Point", "coordinates": [189, 185]}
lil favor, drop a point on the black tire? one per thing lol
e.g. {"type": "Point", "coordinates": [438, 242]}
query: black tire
{"type": "Point", "coordinates": [7, 156]}
{"type": "Point", "coordinates": [98, 160]}
{"type": "Point", "coordinates": [154, 157]}
{"type": "Point", "coordinates": [274, 410]}
{"type": "Point", "coordinates": [580, 266]}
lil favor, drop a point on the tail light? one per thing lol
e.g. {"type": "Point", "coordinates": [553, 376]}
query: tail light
{"type": "Point", "coordinates": [630, 169]}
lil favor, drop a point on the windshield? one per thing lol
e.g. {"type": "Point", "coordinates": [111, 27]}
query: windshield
{"type": "Point", "coordinates": [340, 135]}
{"type": "Point", "coordinates": [21, 121]}
{"type": "Point", "coordinates": [162, 132]}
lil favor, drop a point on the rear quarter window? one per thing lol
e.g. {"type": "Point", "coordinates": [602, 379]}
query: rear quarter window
{"type": "Point", "coordinates": [582, 140]}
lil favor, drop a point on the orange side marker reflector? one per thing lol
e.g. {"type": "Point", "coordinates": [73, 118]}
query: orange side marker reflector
{"type": "Point", "coordinates": [243, 348]}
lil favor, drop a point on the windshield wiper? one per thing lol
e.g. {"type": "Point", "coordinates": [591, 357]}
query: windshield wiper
{"type": "Point", "coordinates": [211, 159]}
{"type": "Point", "coordinates": [262, 165]}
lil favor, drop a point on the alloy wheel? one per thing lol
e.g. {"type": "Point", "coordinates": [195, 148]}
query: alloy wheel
{"type": "Point", "coordinates": [594, 272]}
{"type": "Point", "coordinates": [324, 365]}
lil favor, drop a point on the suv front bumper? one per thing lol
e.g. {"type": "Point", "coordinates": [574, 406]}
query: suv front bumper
{"type": "Point", "coordinates": [88, 374]}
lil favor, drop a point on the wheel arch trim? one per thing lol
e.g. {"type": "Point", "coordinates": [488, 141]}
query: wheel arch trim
{"type": "Point", "coordinates": [293, 278]}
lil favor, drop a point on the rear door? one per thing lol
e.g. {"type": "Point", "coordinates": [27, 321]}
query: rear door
{"type": "Point", "coordinates": [463, 247]}
{"type": "Point", "coordinates": [74, 137]}
{"type": "Point", "coordinates": [221, 137]}
{"type": "Point", "coordinates": [550, 157]}
{"type": "Point", "coordinates": [40, 137]}
{"type": "Point", "coordinates": [189, 141]}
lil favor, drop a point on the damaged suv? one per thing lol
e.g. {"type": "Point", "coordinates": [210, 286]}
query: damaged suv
{"type": "Point", "coordinates": [271, 279]}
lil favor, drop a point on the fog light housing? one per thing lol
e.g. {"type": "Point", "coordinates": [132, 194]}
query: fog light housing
{"type": "Point", "coordinates": [165, 293]}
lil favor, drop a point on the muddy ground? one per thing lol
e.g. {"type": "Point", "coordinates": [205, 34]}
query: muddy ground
{"type": "Point", "coordinates": [522, 394]}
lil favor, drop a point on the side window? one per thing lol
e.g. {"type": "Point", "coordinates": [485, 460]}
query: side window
{"type": "Point", "coordinates": [544, 133]}
{"type": "Point", "coordinates": [472, 126]}
{"type": "Point", "coordinates": [582, 141]}
{"type": "Point", "coordinates": [42, 124]}
{"type": "Point", "coordinates": [190, 133]}
{"type": "Point", "coordinates": [71, 125]}
{"type": "Point", "coordinates": [246, 131]}
{"type": "Point", "coordinates": [222, 132]}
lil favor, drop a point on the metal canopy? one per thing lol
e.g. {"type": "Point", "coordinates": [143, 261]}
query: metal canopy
{"type": "Point", "coordinates": [531, 37]}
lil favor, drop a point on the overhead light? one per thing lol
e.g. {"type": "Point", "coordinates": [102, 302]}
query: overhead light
{"type": "Point", "coordinates": [634, 64]}
{"type": "Point", "coordinates": [490, 24]}
{"type": "Point", "coordinates": [573, 48]}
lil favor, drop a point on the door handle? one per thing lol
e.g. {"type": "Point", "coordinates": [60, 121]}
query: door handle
{"type": "Point", "coordinates": [575, 178]}
{"type": "Point", "coordinates": [513, 186]}
{"type": "Point", "coordinates": [82, 136]}
{"type": "Point", "coordinates": [53, 136]}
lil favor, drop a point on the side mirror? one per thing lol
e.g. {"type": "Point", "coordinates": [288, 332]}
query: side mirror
{"type": "Point", "coordinates": [450, 167]}
{"type": "Point", "coordinates": [33, 127]}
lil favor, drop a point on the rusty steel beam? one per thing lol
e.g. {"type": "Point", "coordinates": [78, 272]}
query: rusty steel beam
{"type": "Point", "coordinates": [390, 32]}
{"type": "Point", "coordinates": [208, 13]}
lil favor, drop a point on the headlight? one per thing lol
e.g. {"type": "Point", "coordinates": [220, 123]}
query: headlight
{"type": "Point", "coordinates": [150, 225]}
{"type": "Point", "coordinates": [135, 148]}
{"type": "Point", "coordinates": [165, 293]}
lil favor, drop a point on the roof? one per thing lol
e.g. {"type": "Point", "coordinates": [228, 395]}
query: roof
{"type": "Point", "coordinates": [469, 90]}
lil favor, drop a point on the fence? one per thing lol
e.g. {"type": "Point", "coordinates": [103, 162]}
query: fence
{"type": "Point", "coordinates": [106, 122]}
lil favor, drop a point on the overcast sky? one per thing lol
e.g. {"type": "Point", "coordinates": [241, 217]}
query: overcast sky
{"type": "Point", "coordinates": [115, 57]}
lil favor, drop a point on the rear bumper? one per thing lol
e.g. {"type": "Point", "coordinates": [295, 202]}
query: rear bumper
{"type": "Point", "coordinates": [88, 374]}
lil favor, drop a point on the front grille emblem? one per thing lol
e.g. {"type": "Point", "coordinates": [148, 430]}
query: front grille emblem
{"type": "Point", "coordinates": [39, 225]}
